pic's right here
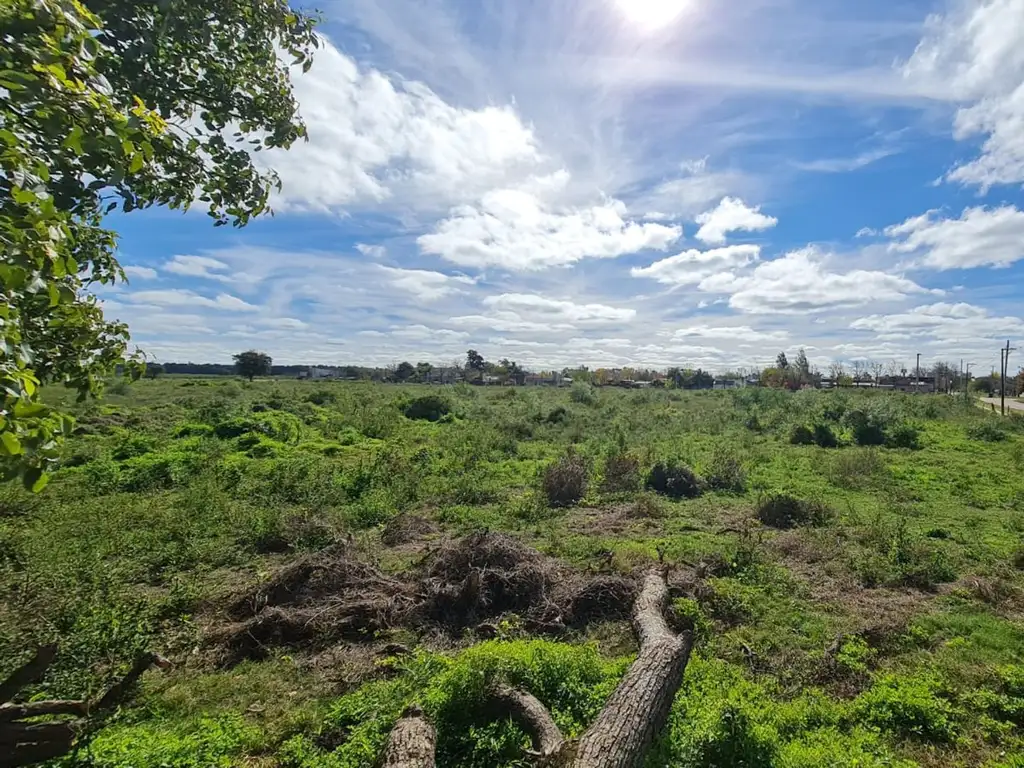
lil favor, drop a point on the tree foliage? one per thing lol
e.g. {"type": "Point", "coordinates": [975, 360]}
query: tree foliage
{"type": "Point", "coordinates": [110, 104]}
{"type": "Point", "coordinates": [253, 363]}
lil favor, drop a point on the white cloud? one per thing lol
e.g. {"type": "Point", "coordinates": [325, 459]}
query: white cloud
{"type": "Point", "coordinates": [425, 284]}
{"type": "Point", "coordinates": [372, 138]}
{"type": "Point", "coordinates": [142, 273]}
{"type": "Point", "coordinates": [735, 333]}
{"type": "Point", "coordinates": [976, 52]}
{"type": "Point", "coordinates": [529, 313]}
{"type": "Point", "coordinates": [197, 266]}
{"type": "Point", "coordinates": [559, 310]}
{"type": "Point", "coordinates": [979, 238]}
{"type": "Point", "coordinates": [800, 282]}
{"type": "Point", "coordinates": [183, 298]}
{"type": "Point", "coordinates": [514, 229]}
{"type": "Point", "coordinates": [731, 215]}
{"type": "Point", "coordinates": [845, 164]}
{"type": "Point", "coordinates": [373, 251]}
{"type": "Point", "coordinates": [692, 192]}
{"type": "Point", "coordinates": [944, 323]}
{"type": "Point", "coordinates": [693, 266]}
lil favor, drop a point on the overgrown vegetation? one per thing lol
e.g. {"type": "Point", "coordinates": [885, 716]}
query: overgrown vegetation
{"type": "Point", "coordinates": [314, 557]}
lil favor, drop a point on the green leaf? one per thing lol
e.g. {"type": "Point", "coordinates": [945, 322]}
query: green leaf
{"type": "Point", "coordinates": [137, 163]}
{"type": "Point", "coordinates": [35, 479]}
{"type": "Point", "coordinates": [26, 410]}
{"type": "Point", "coordinates": [9, 444]}
{"type": "Point", "coordinates": [74, 139]}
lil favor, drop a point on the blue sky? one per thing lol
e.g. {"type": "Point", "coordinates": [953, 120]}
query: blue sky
{"type": "Point", "coordinates": [621, 182]}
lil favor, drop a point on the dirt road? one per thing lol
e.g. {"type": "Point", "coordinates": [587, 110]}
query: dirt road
{"type": "Point", "coordinates": [1011, 404]}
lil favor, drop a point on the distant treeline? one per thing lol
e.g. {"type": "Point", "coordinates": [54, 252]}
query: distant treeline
{"type": "Point", "coordinates": [227, 369]}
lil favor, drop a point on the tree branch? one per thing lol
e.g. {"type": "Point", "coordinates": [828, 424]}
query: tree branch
{"type": "Point", "coordinates": [10, 712]}
{"type": "Point", "coordinates": [28, 673]}
{"type": "Point", "coordinates": [533, 717]}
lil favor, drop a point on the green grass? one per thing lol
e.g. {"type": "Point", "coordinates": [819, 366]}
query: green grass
{"type": "Point", "coordinates": [883, 629]}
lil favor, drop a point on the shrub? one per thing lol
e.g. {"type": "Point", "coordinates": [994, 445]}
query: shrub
{"type": "Point", "coordinates": [280, 426]}
{"type": "Point", "coordinates": [868, 434]}
{"type": "Point", "coordinates": [801, 435]}
{"type": "Point", "coordinates": [824, 437]}
{"type": "Point", "coordinates": [583, 394]}
{"type": "Point", "coordinates": [620, 474]}
{"type": "Point", "coordinates": [987, 432]}
{"type": "Point", "coordinates": [908, 708]}
{"type": "Point", "coordinates": [129, 446]}
{"type": "Point", "coordinates": [321, 397]}
{"type": "Point", "coordinates": [193, 430]}
{"type": "Point", "coordinates": [904, 436]}
{"type": "Point", "coordinates": [783, 511]}
{"type": "Point", "coordinates": [855, 468]}
{"type": "Point", "coordinates": [427, 408]}
{"type": "Point", "coordinates": [725, 473]}
{"type": "Point", "coordinates": [557, 415]}
{"type": "Point", "coordinates": [673, 480]}
{"type": "Point", "coordinates": [565, 482]}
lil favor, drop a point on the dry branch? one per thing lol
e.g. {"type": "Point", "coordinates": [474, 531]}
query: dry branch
{"type": "Point", "coordinates": [23, 744]}
{"type": "Point", "coordinates": [533, 717]}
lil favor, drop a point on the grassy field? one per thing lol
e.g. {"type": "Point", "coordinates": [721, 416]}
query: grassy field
{"type": "Point", "coordinates": [853, 564]}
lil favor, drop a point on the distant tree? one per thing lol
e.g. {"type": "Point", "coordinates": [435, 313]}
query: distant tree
{"type": "Point", "coordinates": [836, 371]}
{"type": "Point", "coordinates": [782, 362]}
{"type": "Point", "coordinates": [1020, 382]}
{"type": "Point", "coordinates": [252, 364]}
{"type": "Point", "coordinates": [153, 370]}
{"type": "Point", "coordinates": [877, 369]}
{"type": "Point", "coordinates": [774, 378]}
{"type": "Point", "coordinates": [405, 371]}
{"type": "Point", "coordinates": [475, 362]}
{"type": "Point", "coordinates": [860, 370]}
{"type": "Point", "coordinates": [423, 371]}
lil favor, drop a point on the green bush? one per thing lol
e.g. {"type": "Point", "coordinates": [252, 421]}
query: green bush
{"type": "Point", "coordinates": [277, 425]}
{"type": "Point", "coordinates": [583, 394]}
{"type": "Point", "coordinates": [427, 408]}
{"type": "Point", "coordinates": [130, 445]}
{"type": "Point", "coordinates": [904, 436]}
{"type": "Point", "coordinates": [908, 708]}
{"type": "Point", "coordinates": [194, 430]}
{"type": "Point", "coordinates": [725, 472]}
{"type": "Point", "coordinates": [801, 435]}
{"type": "Point", "coordinates": [987, 431]}
{"type": "Point", "coordinates": [824, 437]}
{"type": "Point", "coordinates": [321, 397]}
{"type": "Point", "coordinates": [673, 480]}
{"type": "Point", "coordinates": [783, 511]}
{"type": "Point", "coordinates": [620, 473]}
{"type": "Point", "coordinates": [201, 743]}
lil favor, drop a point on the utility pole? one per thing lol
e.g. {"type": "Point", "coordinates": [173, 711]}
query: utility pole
{"type": "Point", "coordinates": [967, 382]}
{"type": "Point", "coordinates": [1004, 367]}
{"type": "Point", "coordinates": [917, 374]}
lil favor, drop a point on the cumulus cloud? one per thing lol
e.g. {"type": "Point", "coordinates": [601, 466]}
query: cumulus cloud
{"type": "Point", "coordinates": [976, 53]}
{"type": "Point", "coordinates": [183, 298]}
{"type": "Point", "coordinates": [943, 322]}
{"type": "Point", "coordinates": [425, 284]}
{"type": "Point", "coordinates": [516, 230]}
{"type": "Point", "coordinates": [693, 266]}
{"type": "Point", "coordinates": [142, 273]}
{"type": "Point", "coordinates": [737, 333]}
{"type": "Point", "coordinates": [372, 138]}
{"type": "Point", "coordinates": [530, 313]}
{"type": "Point", "coordinates": [731, 215]}
{"type": "Point", "coordinates": [800, 282]}
{"type": "Point", "coordinates": [979, 238]}
{"type": "Point", "coordinates": [197, 266]}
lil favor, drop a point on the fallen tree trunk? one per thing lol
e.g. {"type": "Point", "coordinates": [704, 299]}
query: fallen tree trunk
{"type": "Point", "coordinates": [23, 744]}
{"type": "Point", "coordinates": [623, 732]}
{"type": "Point", "coordinates": [412, 742]}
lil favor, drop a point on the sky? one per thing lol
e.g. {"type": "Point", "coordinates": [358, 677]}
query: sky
{"type": "Point", "coordinates": [654, 183]}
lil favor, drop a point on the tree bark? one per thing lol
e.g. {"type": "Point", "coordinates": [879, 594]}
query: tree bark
{"type": "Point", "coordinates": [533, 717]}
{"type": "Point", "coordinates": [638, 708]}
{"type": "Point", "coordinates": [412, 742]}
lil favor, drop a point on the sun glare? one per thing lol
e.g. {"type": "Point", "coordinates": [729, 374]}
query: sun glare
{"type": "Point", "coordinates": [652, 15]}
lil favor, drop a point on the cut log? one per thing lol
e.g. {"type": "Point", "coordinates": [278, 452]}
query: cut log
{"type": "Point", "coordinates": [638, 708]}
{"type": "Point", "coordinates": [28, 673]}
{"type": "Point", "coordinates": [533, 717]}
{"type": "Point", "coordinates": [412, 742]}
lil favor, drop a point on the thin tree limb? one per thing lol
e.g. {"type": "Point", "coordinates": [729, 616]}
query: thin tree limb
{"type": "Point", "coordinates": [28, 673]}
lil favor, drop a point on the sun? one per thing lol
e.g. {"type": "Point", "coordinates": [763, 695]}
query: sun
{"type": "Point", "coordinates": [652, 15]}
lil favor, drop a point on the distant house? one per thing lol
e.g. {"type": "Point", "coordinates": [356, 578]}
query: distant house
{"type": "Point", "coordinates": [318, 374]}
{"type": "Point", "coordinates": [721, 384]}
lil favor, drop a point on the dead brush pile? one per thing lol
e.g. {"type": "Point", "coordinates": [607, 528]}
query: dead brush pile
{"type": "Point", "coordinates": [332, 596]}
